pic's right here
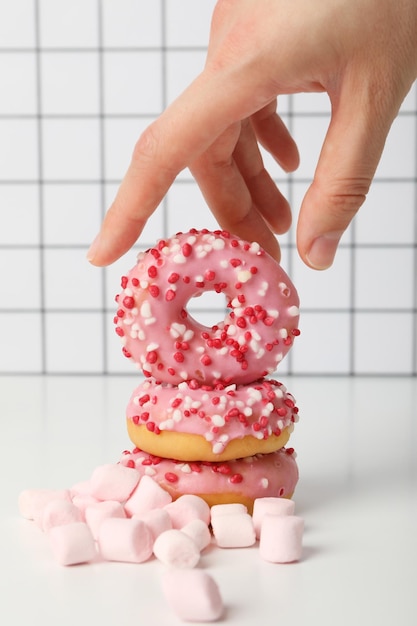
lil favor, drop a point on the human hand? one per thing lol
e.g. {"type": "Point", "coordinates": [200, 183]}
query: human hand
{"type": "Point", "coordinates": [363, 53]}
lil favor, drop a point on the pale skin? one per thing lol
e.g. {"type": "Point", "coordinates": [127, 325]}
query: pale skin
{"type": "Point", "coordinates": [362, 53]}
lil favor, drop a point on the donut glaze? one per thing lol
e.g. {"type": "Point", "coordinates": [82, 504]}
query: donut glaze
{"type": "Point", "coordinates": [241, 480]}
{"type": "Point", "coordinates": [166, 342]}
{"type": "Point", "coordinates": [192, 421]}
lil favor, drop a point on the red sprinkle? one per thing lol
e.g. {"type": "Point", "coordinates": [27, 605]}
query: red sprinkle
{"type": "Point", "coordinates": [171, 477]}
{"type": "Point", "coordinates": [128, 302]}
{"type": "Point", "coordinates": [187, 249]}
{"type": "Point", "coordinates": [173, 278]}
{"type": "Point", "coordinates": [154, 291]}
{"type": "Point", "coordinates": [170, 295]}
{"type": "Point", "coordinates": [236, 479]}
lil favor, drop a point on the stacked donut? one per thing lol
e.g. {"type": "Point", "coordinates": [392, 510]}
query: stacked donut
{"type": "Point", "coordinates": [207, 419]}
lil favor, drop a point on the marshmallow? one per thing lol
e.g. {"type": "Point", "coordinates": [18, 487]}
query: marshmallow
{"type": "Point", "coordinates": [128, 540]}
{"type": "Point", "coordinates": [228, 509]}
{"type": "Point", "coordinates": [82, 488]}
{"type": "Point", "coordinates": [97, 513]}
{"type": "Point", "coordinates": [32, 501]}
{"type": "Point", "coordinates": [193, 595]}
{"type": "Point", "coordinates": [148, 495]}
{"type": "Point", "coordinates": [281, 538]}
{"type": "Point", "coordinates": [187, 508]}
{"type": "Point", "coordinates": [156, 520]}
{"type": "Point", "coordinates": [82, 502]}
{"type": "Point", "coordinates": [273, 506]}
{"type": "Point", "coordinates": [234, 530]}
{"type": "Point", "coordinates": [72, 544]}
{"type": "Point", "coordinates": [113, 482]}
{"type": "Point", "coordinates": [175, 548]}
{"type": "Point", "coordinates": [199, 532]}
{"type": "Point", "coordinates": [60, 512]}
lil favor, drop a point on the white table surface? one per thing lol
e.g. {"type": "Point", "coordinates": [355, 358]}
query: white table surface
{"type": "Point", "coordinates": [357, 453]}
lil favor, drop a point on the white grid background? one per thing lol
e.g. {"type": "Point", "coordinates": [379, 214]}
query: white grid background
{"type": "Point", "coordinates": [80, 80]}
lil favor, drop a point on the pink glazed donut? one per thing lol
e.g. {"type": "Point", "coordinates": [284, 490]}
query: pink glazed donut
{"type": "Point", "coordinates": [191, 421]}
{"type": "Point", "coordinates": [241, 480]}
{"type": "Point", "coordinates": [169, 344]}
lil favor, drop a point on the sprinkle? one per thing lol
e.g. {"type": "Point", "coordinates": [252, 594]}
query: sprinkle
{"type": "Point", "coordinates": [171, 477]}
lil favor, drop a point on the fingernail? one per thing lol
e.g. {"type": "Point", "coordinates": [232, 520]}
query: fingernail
{"type": "Point", "coordinates": [92, 251]}
{"type": "Point", "coordinates": [323, 250]}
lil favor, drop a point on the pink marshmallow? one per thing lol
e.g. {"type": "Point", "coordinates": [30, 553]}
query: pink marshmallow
{"type": "Point", "coordinates": [60, 512]}
{"type": "Point", "coordinates": [72, 544]}
{"type": "Point", "coordinates": [281, 538]}
{"type": "Point", "coordinates": [273, 506]}
{"type": "Point", "coordinates": [176, 549]}
{"type": "Point", "coordinates": [127, 540]}
{"type": "Point", "coordinates": [82, 488]}
{"type": "Point", "coordinates": [113, 482]}
{"type": "Point", "coordinates": [97, 513]}
{"type": "Point", "coordinates": [148, 495]}
{"type": "Point", "coordinates": [32, 501]}
{"type": "Point", "coordinates": [234, 530]}
{"type": "Point", "coordinates": [193, 595]}
{"type": "Point", "coordinates": [199, 532]}
{"type": "Point", "coordinates": [228, 509]}
{"type": "Point", "coordinates": [82, 502]}
{"type": "Point", "coordinates": [186, 508]}
{"type": "Point", "coordinates": [157, 520]}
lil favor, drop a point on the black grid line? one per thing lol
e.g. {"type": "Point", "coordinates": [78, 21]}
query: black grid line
{"type": "Point", "coordinates": [354, 246]}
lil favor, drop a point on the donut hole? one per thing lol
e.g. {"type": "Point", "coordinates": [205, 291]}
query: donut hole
{"type": "Point", "coordinates": [207, 309]}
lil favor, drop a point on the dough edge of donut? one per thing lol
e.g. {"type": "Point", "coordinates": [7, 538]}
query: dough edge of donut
{"type": "Point", "coordinates": [190, 447]}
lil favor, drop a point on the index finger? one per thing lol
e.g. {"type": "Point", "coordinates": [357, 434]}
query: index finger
{"type": "Point", "coordinates": [182, 132]}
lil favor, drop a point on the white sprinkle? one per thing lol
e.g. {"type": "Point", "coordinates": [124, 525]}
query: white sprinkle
{"type": "Point", "coordinates": [152, 346]}
{"type": "Point", "coordinates": [186, 468]}
{"type": "Point", "coordinates": [264, 483]}
{"type": "Point", "coordinates": [191, 240]}
{"type": "Point", "coordinates": [179, 259]}
{"type": "Point", "coordinates": [231, 330]}
{"type": "Point", "coordinates": [177, 330]}
{"type": "Point", "coordinates": [278, 393]}
{"type": "Point", "coordinates": [273, 313]}
{"type": "Point", "coordinates": [218, 448]}
{"type": "Point", "coordinates": [278, 358]}
{"type": "Point", "coordinates": [145, 309]}
{"type": "Point", "coordinates": [142, 335]}
{"type": "Point", "coordinates": [218, 420]}
{"type": "Point", "coordinates": [243, 276]}
{"type": "Point", "coordinates": [149, 321]}
{"type": "Point", "coordinates": [199, 279]}
{"type": "Point", "coordinates": [224, 438]}
{"type": "Point", "coordinates": [144, 284]}
{"type": "Point", "coordinates": [150, 471]}
{"type": "Point", "coordinates": [247, 411]}
{"type": "Point", "coordinates": [223, 264]}
{"type": "Point", "coordinates": [177, 415]}
{"type": "Point", "coordinates": [189, 334]}
{"type": "Point", "coordinates": [293, 311]}
{"type": "Point", "coordinates": [218, 244]}
{"type": "Point", "coordinates": [209, 436]}
{"type": "Point", "coordinates": [128, 292]}
{"type": "Point", "coordinates": [283, 333]}
{"type": "Point", "coordinates": [254, 247]}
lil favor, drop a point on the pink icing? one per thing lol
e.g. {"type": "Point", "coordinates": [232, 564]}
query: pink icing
{"type": "Point", "coordinates": [262, 475]}
{"type": "Point", "coordinates": [219, 413]}
{"type": "Point", "coordinates": [169, 344]}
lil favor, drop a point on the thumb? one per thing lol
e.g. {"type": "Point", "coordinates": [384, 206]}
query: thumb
{"type": "Point", "coordinates": [350, 154]}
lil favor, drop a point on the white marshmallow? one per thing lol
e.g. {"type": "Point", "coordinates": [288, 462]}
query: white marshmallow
{"type": "Point", "coordinates": [273, 506]}
{"type": "Point", "coordinates": [32, 501]}
{"type": "Point", "coordinates": [113, 482]}
{"type": "Point", "coordinates": [157, 520]}
{"type": "Point", "coordinates": [228, 509]}
{"type": "Point", "coordinates": [193, 595]}
{"type": "Point", "coordinates": [97, 513]}
{"type": "Point", "coordinates": [128, 540]}
{"type": "Point", "coordinates": [176, 549]}
{"type": "Point", "coordinates": [199, 532]}
{"type": "Point", "coordinates": [60, 512]}
{"type": "Point", "coordinates": [82, 502]}
{"type": "Point", "coordinates": [234, 530]}
{"type": "Point", "coordinates": [187, 508]}
{"type": "Point", "coordinates": [148, 495]}
{"type": "Point", "coordinates": [72, 544]}
{"type": "Point", "coordinates": [281, 538]}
